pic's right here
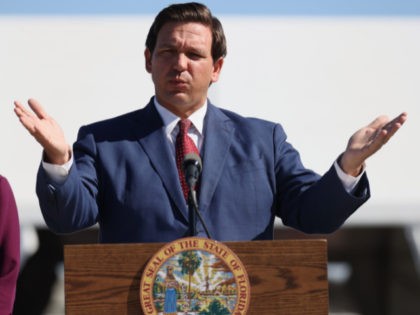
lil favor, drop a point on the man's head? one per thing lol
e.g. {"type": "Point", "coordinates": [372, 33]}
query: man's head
{"type": "Point", "coordinates": [190, 12]}
{"type": "Point", "coordinates": [184, 53]}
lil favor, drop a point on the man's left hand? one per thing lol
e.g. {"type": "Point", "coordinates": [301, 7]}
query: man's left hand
{"type": "Point", "coordinates": [368, 140]}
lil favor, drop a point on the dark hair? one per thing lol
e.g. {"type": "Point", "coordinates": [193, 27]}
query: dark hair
{"type": "Point", "coordinates": [190, 12]}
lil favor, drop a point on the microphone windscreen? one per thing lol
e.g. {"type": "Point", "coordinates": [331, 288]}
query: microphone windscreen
{"type": "Point", "coordinates": [192, 159]}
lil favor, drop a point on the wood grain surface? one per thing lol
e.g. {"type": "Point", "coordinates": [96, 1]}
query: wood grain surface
{"type": "Point", "coordinates": [286, 276]}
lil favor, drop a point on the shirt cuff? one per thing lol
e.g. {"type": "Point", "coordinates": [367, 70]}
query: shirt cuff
{"type": "Point", "coordinates": [58, 173]}
{"type": "Point", "coordinates": [349, 182]}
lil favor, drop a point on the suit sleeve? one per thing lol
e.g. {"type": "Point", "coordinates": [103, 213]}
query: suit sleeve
{"type": "Point", "coordinates": [307, 201]}
{"type": "Point", "coordinates": [72, 205]}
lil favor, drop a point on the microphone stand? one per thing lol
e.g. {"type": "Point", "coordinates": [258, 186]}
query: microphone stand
{"type": "Point", "coordinates": [194, 213]}
{"type": "Point", "coordinates": [192, 168]}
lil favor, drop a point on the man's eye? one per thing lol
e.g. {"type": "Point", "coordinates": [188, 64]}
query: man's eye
{"type": "Point", "coordinates": [194, 56]}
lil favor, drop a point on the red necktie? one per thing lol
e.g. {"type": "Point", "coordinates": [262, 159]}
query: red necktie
{"type": "Point", "coordinates": [184, 145]}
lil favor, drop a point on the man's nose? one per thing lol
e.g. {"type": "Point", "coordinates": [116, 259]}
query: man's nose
{"type": "Point", "coordinates": [181, 62]}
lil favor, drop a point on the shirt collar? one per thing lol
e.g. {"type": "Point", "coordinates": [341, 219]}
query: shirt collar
{"type": "Point", "coordinates": [170, 120]}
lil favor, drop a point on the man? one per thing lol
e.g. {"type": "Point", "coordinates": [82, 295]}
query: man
{"type": "Point", "coordinates": [122, 172]}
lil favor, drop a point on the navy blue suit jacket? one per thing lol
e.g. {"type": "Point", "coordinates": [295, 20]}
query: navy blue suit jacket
{"type": "Point", "coordinates": [125, 179]}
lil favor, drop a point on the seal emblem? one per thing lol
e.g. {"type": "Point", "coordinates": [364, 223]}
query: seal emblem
{"type": "Point", "coordinates": [194, 276]}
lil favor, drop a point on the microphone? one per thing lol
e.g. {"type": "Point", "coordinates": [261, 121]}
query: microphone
{"type": "Point", "coordinates": [192, 168]}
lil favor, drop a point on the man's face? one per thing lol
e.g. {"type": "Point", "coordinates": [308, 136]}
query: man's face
{"type": "Point", "coordinates": [182, 66]}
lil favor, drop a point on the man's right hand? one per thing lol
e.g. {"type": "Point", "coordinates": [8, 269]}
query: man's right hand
{"type": "Point", "coordinates": [45, 130]}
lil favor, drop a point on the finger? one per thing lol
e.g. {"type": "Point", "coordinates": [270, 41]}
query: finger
{"type": "Point", "coordinates": [37, 108]}
{"type": "Point", "coordinates": [21, 111]}
{"type": "Point", "coordinates": [28, 123]}
{"type": "Point", "coordinates": [19, 108]}
{"type": "Point", "coordinates": [379, 122]}
{"type": "Point", "coordinates": [24, 110]}
{"type": "Point", "coordinates": [26, 117]}
{"type": "Point", "coordinates": [385, 130]}
{"type": "Point", "coordinates": [390, 131]}
{"type": "Point", "coordinates": [396, 123]}
{"type": "Point", "coordinates": [399, 120]}
{"type": "Point", "coordinates": [17, 103]}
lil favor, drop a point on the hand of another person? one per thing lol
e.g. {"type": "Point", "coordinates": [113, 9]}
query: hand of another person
{"type": "Point", "coordinates": [45, 130]}
{"type": "Point", "coordinates": [368, 140]}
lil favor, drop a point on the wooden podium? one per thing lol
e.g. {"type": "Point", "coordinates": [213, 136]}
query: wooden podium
{"type": "Point", "coordinates": [286, 276]}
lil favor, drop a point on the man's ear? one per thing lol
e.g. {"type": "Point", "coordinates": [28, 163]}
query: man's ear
{"type": "Point", "coordinates": [148, 60]}
{"type": "Point", "coordinates": [217, 68]}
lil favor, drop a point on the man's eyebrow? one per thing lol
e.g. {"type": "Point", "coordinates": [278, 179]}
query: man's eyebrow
{"type": "Point", "coordinates": [173, 45]}
{"type": "Point", "coordinates": [167, 44]}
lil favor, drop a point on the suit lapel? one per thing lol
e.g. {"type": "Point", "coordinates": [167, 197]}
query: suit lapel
{"type": "Point", "coordinates": [152, 138]}
{"type": "Point", "coordinates": [218, 133]}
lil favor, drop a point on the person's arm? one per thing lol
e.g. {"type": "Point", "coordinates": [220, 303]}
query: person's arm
{"type": "Point", "coordinates": [66, 201]}
{"type": "Point", "coordinates": [10, 247]}
{"type": "Point", "coordinates": [327, 203]}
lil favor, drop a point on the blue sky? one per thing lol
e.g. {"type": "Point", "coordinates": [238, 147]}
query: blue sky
{"type": "Point", "coordinates": [236, 7]}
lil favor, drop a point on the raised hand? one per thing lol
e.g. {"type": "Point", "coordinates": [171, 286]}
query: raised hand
{"type": "Point", "coordinates": [368, 140]}
{"type": "Point", "coordinates": [45, 130]}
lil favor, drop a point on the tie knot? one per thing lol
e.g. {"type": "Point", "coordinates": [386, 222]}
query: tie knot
{"type": "Point", "coordinates": [184, 125]}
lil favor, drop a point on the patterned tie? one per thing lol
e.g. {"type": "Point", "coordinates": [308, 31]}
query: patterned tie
{"type": "Point", "coordinates": [184, 145]}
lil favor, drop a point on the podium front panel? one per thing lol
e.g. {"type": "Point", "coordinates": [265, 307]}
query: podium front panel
{"type": "Point", "coordinates": [286, 276]}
